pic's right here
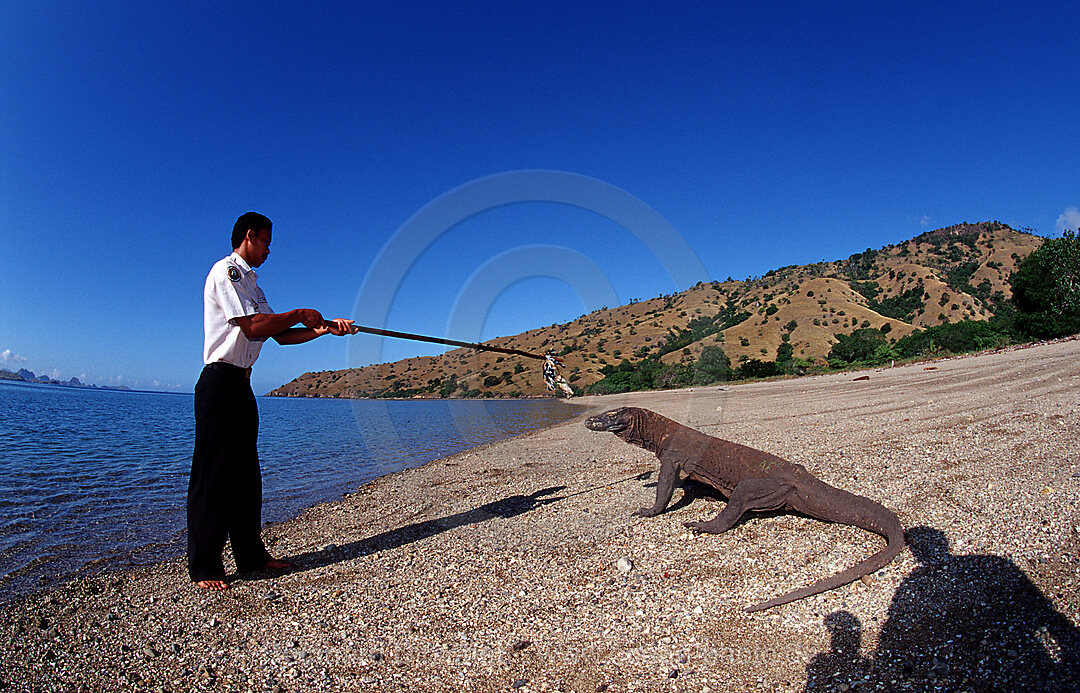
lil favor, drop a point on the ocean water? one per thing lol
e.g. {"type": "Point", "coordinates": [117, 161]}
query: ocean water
{"type": "Point", "coordinates": [93, 479]}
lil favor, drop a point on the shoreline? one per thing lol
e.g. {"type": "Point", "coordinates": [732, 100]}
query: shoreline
{"type": "Point", "coordinates": [496, 568]}
{"type": "Point", "coordinates": [14, 585]}
{"type": "Point", "coordinates": [851, 368]}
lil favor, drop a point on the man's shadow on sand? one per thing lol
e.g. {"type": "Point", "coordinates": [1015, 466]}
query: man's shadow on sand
{"type": "Point", "coordinates": [508, 507]}
{"type": "Point", "coordinates": [505, 508]}
{"type": "Point", "coordinates": [956, 623]}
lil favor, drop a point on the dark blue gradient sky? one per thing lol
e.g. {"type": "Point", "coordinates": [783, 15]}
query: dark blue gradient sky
{"type": "Point", "coordinates": [767, 134]}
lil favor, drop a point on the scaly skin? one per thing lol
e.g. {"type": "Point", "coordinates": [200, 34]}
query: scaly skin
{"type": "Point", "coordinates": [751, 480]}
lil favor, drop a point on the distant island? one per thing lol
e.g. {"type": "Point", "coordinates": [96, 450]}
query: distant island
{"type": "Point", "coordinates": [26, 376]}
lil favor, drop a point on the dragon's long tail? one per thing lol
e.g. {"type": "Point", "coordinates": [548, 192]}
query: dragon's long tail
{"type": "Point", "coordinates": [860, 512]}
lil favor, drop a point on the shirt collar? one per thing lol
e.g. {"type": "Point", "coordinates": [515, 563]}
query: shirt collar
{"type": "Point", "coordinates": [242, 264]}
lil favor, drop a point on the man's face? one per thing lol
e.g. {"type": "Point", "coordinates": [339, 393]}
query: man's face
{"type": "Point", "coordinates": [260, 246]}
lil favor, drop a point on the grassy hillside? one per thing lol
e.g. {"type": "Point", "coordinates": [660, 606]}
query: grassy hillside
{"type": "Point", "coordinates": [947, 275]}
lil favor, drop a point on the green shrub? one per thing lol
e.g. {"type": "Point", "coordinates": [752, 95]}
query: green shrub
{"type": "Point", "coordinates": [954, 337]}
{"type": "Point", "coordinates": [866, 345]}
{"type": "Point", "coordinates": [903, 306]}
{"type": "Point", "coordinates": [756, 368]}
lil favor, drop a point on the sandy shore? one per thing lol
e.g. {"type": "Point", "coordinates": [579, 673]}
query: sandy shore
{"type": "Point", "coordinates": [496, 569]}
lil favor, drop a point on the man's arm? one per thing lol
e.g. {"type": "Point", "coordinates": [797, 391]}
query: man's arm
{"type": "Point", "coordinates": [263, 325]}
{"type": "Point", "coordinates": [298, 335]}
{"type": "Point", "coordinates": [280, 326]}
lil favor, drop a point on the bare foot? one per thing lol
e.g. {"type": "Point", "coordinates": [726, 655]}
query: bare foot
{"type": "Point", "coordinates": [275, 564]}
{"type": "Point", "coordinates": [214, 585]}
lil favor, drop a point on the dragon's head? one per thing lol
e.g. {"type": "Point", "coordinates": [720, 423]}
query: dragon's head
{"type": "Point", "coordinates": [636, 426]}
{"type": "Point", "coordinates": [612, 421]}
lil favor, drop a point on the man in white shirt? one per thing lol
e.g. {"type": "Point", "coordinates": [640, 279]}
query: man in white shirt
{"type": "Point", "coordinates": [225, 488]}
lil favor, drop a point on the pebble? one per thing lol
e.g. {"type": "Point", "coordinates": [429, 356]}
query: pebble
{"type": "Point", "coordinates": [624, 564]}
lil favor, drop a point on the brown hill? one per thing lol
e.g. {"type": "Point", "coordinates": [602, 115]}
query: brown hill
{"type": "Point", "coordinates": [947, 275]}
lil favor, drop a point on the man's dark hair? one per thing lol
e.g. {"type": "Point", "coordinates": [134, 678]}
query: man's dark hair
{"type": "Point", "coordinates": [248, 220]}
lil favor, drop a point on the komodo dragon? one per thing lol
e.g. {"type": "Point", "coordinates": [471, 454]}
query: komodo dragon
{"type": "Point", "coordinates": [751, 480]}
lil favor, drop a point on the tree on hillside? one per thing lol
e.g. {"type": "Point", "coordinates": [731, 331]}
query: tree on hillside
{"type": "Point", "coordinates": [756, 368]}
{"type": "Point", "coordinates": [865, 345]}
{"type": "Point", "coordinates": [1046, 289]}
{"type": "Point", "coordinates": [857, 346]}
{"type": "Point", "coordinates": [627, 377]}
{"type": "Point", "coordinates": [784, 353]}
{"type": "Point", "coordinates": [712, 366]}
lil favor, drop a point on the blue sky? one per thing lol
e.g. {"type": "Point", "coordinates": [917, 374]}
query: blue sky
{"type": "Point", "coordinates": [767, 134]}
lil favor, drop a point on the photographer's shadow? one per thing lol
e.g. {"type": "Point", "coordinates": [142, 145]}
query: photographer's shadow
{"type": "Point", "coordinates": [842, 663]}
{"type": "Point", "coordinates": [965, 623]}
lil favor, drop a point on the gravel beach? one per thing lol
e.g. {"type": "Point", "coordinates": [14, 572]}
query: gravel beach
{"type": "Point", "coordinates": [518, 565]}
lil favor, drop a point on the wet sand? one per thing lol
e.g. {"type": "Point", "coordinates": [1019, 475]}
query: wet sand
{"type": "Point", "coordinates": [498, 569]}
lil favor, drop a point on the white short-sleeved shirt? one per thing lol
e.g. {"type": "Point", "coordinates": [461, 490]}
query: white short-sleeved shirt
{"type": "Point", "coordinates": [230, 292]}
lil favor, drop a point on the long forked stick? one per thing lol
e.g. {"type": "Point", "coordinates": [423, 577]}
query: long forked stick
{"type": "Point", "coordinates": [448, 342]}
{"type": "Point", "coordinates": [552, 378]}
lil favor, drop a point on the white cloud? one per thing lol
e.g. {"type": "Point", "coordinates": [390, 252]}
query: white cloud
{"type": "Point", "coordinates": [55, 374]}
{"type": "Point", "coordinates": [1069, 219]}
{"type": "Point", "coordinates": [9, 356]}
{"type": "Point", "coordinates": [925, 221]}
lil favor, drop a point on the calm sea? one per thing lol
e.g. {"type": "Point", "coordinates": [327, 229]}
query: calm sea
{"type": "Point", "coordinates": [98, 478]}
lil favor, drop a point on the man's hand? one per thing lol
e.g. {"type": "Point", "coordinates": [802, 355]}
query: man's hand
{"type": "Point", "coordinates": [338, 327]}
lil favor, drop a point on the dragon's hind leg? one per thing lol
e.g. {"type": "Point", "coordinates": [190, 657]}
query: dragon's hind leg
{"type": "Point", "coordinates": [751, 494]}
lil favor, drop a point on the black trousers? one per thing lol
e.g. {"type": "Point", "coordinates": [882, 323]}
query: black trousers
{"type": "Point", "coordinates": [225, 488]}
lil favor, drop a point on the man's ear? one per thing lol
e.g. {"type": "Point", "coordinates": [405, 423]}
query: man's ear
{"type": "Point", "coordinates": [251, 235]}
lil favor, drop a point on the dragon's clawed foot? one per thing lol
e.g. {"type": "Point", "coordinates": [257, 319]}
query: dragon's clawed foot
{"type": "Point", "coordinates": [644, 512]}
